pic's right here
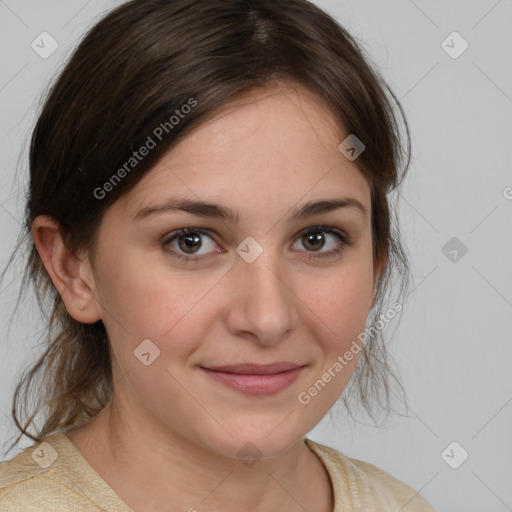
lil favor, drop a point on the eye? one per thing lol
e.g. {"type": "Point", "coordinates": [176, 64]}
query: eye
{"type": "Point", "coordinates": [314, 239]}
{"type": "Point", "coordinates": [186, 243]}
{"type": "Point", "coordinates": [189, 241]}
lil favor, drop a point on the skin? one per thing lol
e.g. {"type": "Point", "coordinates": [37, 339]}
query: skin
{"type": "Point", "coordinates": [169, 438]}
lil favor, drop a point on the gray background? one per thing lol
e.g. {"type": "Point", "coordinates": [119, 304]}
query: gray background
{"type": "Point", "coordinates": [453, 342]}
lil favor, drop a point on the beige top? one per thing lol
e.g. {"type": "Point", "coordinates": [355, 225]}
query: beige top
{"type": "Point", "coordinates": [54, 476]}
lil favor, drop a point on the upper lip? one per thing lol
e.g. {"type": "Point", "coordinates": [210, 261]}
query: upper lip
{"type": "Point", "coordinates": [256, 369]}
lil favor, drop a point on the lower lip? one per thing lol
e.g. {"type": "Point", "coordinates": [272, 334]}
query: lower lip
{"type": "Point", "coordinates": [255, 384]}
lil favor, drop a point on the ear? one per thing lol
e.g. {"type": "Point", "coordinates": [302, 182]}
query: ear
{"type": "Point", "coordinates": [378, 269]}
{"type": "Point", "coordinates": [70, 273]}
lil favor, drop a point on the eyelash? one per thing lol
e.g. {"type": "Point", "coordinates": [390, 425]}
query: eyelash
{"type": "Point", "coordinates": [344, 241]}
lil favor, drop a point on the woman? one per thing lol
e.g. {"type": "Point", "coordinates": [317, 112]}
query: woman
{"type": "Point", "coordinates": [208, 215]}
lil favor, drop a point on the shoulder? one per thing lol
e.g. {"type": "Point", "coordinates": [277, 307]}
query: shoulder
{"type": "Point", "coordinates": [359, 485]}
{"type": "Point", "coordinates": [41, 478]}
{"type": "Point", "coordinates": [25, 485]}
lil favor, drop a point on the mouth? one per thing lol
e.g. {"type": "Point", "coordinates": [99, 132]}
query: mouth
{"type": "Point", "coordinates": [254, 379]}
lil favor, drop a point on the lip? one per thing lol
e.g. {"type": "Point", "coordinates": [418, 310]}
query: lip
{"type": "Point", "coordinates": [255, 379]}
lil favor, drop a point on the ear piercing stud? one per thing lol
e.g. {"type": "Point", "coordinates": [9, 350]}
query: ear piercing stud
{"type": "Point", "coordinates": [82, 307]}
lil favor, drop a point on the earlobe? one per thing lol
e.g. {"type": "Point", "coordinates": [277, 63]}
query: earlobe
{"type": "Point", "coordinates": [65, 269]}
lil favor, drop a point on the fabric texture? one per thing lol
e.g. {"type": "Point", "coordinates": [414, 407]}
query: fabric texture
{"type": "Point", "coordinates": [53, 476]}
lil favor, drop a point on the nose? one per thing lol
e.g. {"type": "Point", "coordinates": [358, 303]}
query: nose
{"type": "Point", "coordinates": [262, 305]}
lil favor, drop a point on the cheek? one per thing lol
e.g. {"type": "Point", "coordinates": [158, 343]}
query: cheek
{"type": "Point", "coordinates": [145, 300]}
{"type": "Point", "coordinates": [338, 311]}
{"type": "Point", "coordinates": [341, 301]}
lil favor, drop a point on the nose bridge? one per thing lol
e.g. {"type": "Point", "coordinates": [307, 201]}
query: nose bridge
{"type": "Point", "coordinates": [262, 302]}
{"type": "Point", "coordinates": [265, 275]}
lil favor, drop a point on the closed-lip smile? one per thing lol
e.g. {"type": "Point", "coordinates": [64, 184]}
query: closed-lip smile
{"type": "Point", "coordinates": [255, 379]}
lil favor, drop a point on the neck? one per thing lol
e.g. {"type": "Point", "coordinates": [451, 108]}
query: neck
{"type": "Point", "coordinates": [153, 468]}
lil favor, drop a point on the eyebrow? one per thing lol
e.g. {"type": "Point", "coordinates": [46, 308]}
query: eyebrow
{"type": "Point", "coordinates": [218, 211]}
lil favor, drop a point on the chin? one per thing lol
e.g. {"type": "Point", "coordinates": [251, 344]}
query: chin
{"type": "Point", "coordinates": [252, 440]}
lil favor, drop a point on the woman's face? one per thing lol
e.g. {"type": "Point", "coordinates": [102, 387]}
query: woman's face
{"type": "Point", "coordinates": [255, 289]}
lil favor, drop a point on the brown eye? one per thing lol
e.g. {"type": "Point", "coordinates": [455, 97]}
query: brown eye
{"type": "Point", "coordinates": [313, 240]}
{"type": "Point", "coordinates": [316, 238]}
{"type": "Point", "coordinates": [186, 243]}
{"type": "Point", "coordinates": [189, 242]}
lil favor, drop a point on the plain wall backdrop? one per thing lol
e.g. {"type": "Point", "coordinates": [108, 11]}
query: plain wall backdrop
{"type": "Point", "coordinates": [450, 64]}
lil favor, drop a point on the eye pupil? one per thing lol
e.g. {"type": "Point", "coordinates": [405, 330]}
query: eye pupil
{"type": "Point", "coordinates": [314, 238]}
{"type": "Point", "coordinates": [191, 240]}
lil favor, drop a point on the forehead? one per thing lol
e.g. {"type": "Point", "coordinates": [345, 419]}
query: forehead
{"type": "Point", "coordinates": [281, 143]}
{"type": "Point", "coordinates": [265, 121]}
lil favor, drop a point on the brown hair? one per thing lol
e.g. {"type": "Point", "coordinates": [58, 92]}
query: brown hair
{"type": "Point", "coordinates": [131, 72]}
